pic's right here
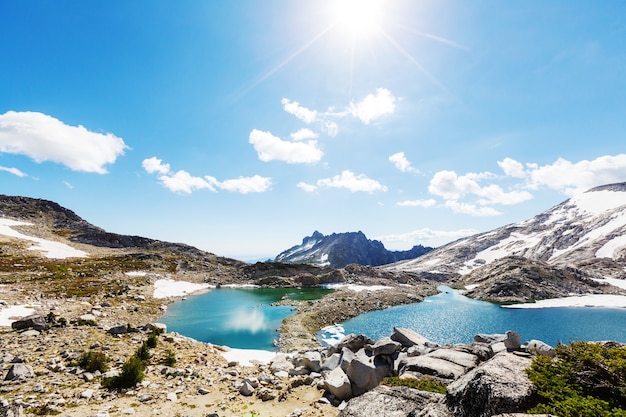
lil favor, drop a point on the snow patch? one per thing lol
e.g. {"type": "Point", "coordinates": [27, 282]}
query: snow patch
{"type": "Point", "coordinates": [331, 335]}
{"type": "Point", "coordinates": [51, 249]}
{"type": "Point", "coordinates": [10, 314]}
{"type": "Point", "coordinates": [164, 288]}
{"type": "Point", "coordinates": [598, 202]}
{"type": "Point", "coordinates": [354, 287]}
{"type": "Point", "coordinates": [248, 357]}
{"type": "Point", "coordinates": [595, 300]}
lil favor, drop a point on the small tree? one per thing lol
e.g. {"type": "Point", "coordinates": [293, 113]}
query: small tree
{"type": "Point", "coordinates": [132, 373]}
{"type": "Point", "coordinates": [153, 340]}
{"type": "Point", "coordinates": [143, 352]}
{"type": "Point", "coordinates": [92, 361]}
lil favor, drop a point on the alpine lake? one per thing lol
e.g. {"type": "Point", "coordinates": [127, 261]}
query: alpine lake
{"type": "Point", "coordinates": [245, 318]}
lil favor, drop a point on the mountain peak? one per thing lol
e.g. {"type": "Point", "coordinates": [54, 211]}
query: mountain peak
{"type": "Point", "coordinates": [340, 249]}
{"type": "Point", "coordinates": [587, 231]}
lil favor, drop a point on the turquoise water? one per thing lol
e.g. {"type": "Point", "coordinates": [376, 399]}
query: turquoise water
{"type": "Point", "coordinates": [237, 317]}
{"type": "Point", "coordinates": [244, 318]}
{"type": "Point", "coordinates": [452, 318]}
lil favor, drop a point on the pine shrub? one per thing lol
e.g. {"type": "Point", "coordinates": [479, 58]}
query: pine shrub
{"type": "Point", "coordinates": [132, 373]}
{"type": "Point", "coordinates": [92, 361]}
{"type": "Point", "coordinates": [585, 380]}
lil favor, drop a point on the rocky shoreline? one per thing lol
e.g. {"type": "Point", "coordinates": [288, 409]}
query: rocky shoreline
{"type": "Point", "coordinates": [202, 381]}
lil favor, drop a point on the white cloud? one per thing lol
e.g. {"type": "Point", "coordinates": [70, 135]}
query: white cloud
{"type": "Point", "coordinates": [471, 209]}
{"type": "Point", "coordinates": [152, 165]}
{"type": "Point", "coordinates": [493, 194]}
{"type": "Point", "coordinates": [400, 161]}
{"type": "Point", "coordinates": [244, 185]}
{"type": "Point", "coordinates": [309, 188]}
{"type": "Point", "coordinates": [303, 134]}
{"type": "Point", "coordinates": [512, 168]}
{"type": "Point", "coordinates": [44, 138]}
{"type": "Point", "coordinates": [451, 186]}
{"type": "Point", "coordinates": [417, 203]}
{"type": "Point", "coordinates": [352, 182]}
{"type": "Point", "coordinates": [373, 106]}
{"type": "Point", "coordinates": [293, 107]}
{"type": "Point", "coordinates": [13, 171]}
{"type": "Point", "coordinates": [68, 185]}
{"type": "Point", "coordinates": [568, 177]}
{"type": "Point", "coordinates": [425, 236]}
{"type": "Point", "coordinates": [572, 178]}
{"type": "Point", "coordinates": [272, 148]}
{"type": "Point", "coordinates": [183, 182]}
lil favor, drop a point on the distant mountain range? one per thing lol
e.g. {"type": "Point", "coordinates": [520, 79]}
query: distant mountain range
{"type": "Point", "coordinates": [565, 250]}
{"type": "Point", "coordinates": [587, 232]}
{"type": "Point", "coordinates": [341, 249]}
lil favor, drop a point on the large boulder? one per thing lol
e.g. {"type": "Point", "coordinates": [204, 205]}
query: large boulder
{"type": "Point", "coordinates": [331, 362]}
{"type": "Point", "coordinates": [19, 372]}
{"type": "Point", "coordinates": [499, 385]}
{"type": "Point", "coordinates": [428, 365]}
{"type": "Point", "coordinates": [384, 346]}
{"type": "Point", "coordinates": [338, 384]}
{"type": "Point", "coordinates": [459, 357]}
{"type": "Point", "coordinates": [34, 321]}
{"type": "Point", "coordinates": [540, 348]}
{"type": "Point", "coordinates": [408, 337]}
{"type": "Point", "coordinates": [281, 363]}
{"type": "Point", "coordinates": [366, 372]}
{"type": "Point", "coordinates": [352, 342]}
{"type": "Point", "coordinates": [512, 340]}
{"type": "Point", "coordinates": [385, 401]}
{"type": "Point", "coordinates": [312, 360]}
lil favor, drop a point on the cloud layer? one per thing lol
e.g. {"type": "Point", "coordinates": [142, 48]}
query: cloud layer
{"type": "Point", "coordinates": [183, 182]}
{"type": "Point", "coordinates": [478, 194]}
{"type": "Point", "coordinates": [44, 138]}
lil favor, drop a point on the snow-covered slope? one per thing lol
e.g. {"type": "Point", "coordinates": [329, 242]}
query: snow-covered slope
{"type": "Point", "coordinates": [587, 231]}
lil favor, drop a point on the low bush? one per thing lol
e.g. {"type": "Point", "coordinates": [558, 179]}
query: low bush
{"type": "Point", "coordinates": [170, 358]}
{"type": "Point", "coordinates": [132, 373]}
{"type": "Point", "coordinates": [143, 352]}
{"type": "Point", "coordinates": [92, 361]}
{"type": "Point", "coordinates": [585, 380]}
{"type": "Point", "coordinates": [425, 384]}
{"type": "Point", "coordinates": [153, 340]}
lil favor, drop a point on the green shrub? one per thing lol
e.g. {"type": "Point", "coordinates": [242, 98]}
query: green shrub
{"type": "Point", "coordinates": [143, 352]}
{"type": "Point", "coordinates": [585, 380]}
{"type": "Point", "coordinates": [132, 373]}
{"type": "Point", "coordinates": [170, 358]}
{"type": "Point", "coordinates": [92, 361]}
{"type": "Point", "coordinates": [153, 340]}
{"type": "Point", "coordinates": [425, 384]}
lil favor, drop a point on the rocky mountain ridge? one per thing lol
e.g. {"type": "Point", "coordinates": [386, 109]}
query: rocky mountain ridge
{"type": "Point", "coordinates": [588, 231]}
{"type": "Point", "coordinates": [340, 249]}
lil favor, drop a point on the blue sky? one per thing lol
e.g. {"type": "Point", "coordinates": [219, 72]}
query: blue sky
{"type": "Point", "coordinates": [241, 127]}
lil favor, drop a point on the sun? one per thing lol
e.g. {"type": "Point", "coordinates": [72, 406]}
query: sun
{"type": "Point", "coordinates": [359, 17]}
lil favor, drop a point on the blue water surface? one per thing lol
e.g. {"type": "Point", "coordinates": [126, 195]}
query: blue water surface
{"type": "Point", "coordinates": [237, 317]}
{"type": "Point", "coordinates": [449, 317]}
{"type": "Point", "coordinates": [244, 318]}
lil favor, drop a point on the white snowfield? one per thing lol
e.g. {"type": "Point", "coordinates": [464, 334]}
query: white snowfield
{"type": "Point", "coordinates": [50, 249]}
{"type": "Point", "coordinates": [9, 314]}
{"type": "Point", "coordinates": [165, 288]}
{"type": "Point", "coordinates": [595, 300]}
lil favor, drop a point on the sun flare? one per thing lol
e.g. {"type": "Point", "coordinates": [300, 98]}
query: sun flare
{"type": "Point", "coordinates": [359, 17]}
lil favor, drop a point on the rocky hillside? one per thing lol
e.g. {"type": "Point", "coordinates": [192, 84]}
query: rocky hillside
{"type": "Point", "coordinates": [587, 231]}
{"type": "Point", "coordinates": [515, 279]}
{"type": "Point", "coordinates": [340, 249]}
